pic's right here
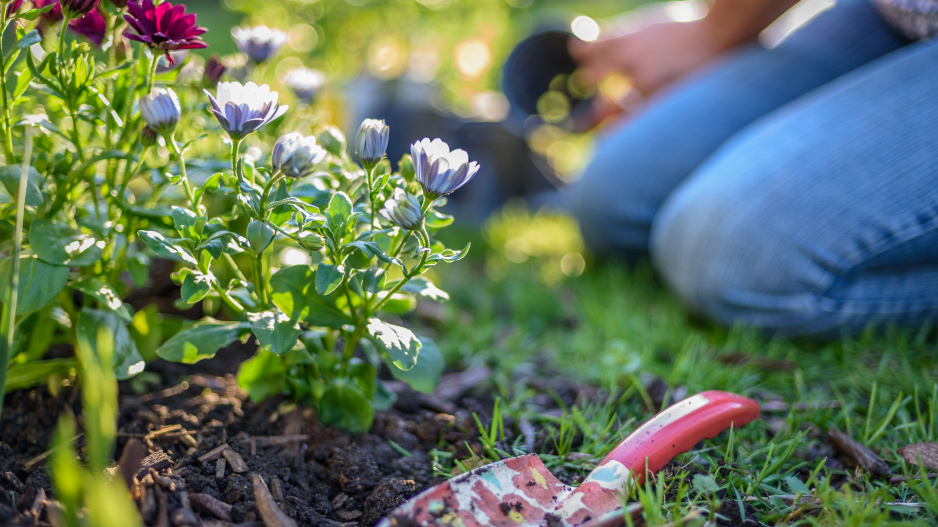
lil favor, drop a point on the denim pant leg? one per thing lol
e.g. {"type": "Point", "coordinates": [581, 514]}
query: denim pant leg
{"type": "Point", "coordinates": [822, 217]}
{"type": "Point", "coordinates": [640, 163]}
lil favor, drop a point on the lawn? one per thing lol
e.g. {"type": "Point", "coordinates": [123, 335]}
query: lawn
{"type": "Point", "coordinates": [619, 329]}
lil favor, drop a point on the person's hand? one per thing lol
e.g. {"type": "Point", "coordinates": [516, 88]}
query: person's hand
{"type": "Point", "coordinates": [652, 57]}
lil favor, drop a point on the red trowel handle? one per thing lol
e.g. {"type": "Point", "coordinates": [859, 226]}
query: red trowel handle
{"type": "Point", "coordinates": [678, 428]}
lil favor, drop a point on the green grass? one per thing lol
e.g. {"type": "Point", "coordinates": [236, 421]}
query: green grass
{"type": "Point", "coordinates": [516, 311]}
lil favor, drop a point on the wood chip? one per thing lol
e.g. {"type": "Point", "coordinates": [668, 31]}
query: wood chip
{"type": "Point", "coordinates": [18, 485]}
{"type": "Point", "coordinates": [162, 514]}
{"type": "Point", "coordinates": [349, 515]}
{"type": "Point", "coordinates": [339, 500]}
{"type": "Point", "coordinates": [234, 459]}
{"type": "Point", "coordinates": [211, 505]}
{"type": "Point", "coordinates": [164, 431]}
{"type": "Point", "coordinates": [38, 503]}
{"type": "Point", "coordinates": [131, 458]}
{"type": "Point", "coordinates": [220, 468]}
{"type": "Point", "coordinates": [860, 454]}
{"type": "Point", "coordinates": [157, 461]}
{"type": "Point", "coordinates": [924, 454]}
{"type": "Point", "coordinates": [276, 489]}
{"type": "Point", "coordinates": [184, 518]}
{"type": "Point", "coordinates": [213, 454]}
{"type": "Point", "coordinates": [268, 441]}
{"type": "Point", "coordinates": [272, 515]}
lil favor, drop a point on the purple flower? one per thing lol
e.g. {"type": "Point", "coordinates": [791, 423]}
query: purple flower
{"type": "Point", "coordinates": [403, 210]}
{"type": "Point", "coordinates": [372, 142]}
{"type": "Point", "coordinates": [439, 171]}
{"type": "Point", "coordinates": [160, 110]}
{"type": "Point", "coordinates": [93, 26]}
{"type": "Point", "coordinates": [212, 73]}
{"type": "Point", "coordinates": [77, 8]}
{"type": "Point", "coordinates": [13, 7]}
{"type": "Point", "coordinates": [296, 156]}
{"type": "Point", "coordinates": [243, 109]}
{"type": "Point", "coordinates": [259, 43]}
{"type": "Point", "coordinates": [163, 28]}
{"type": "Point", "coordinates": [305, 83]}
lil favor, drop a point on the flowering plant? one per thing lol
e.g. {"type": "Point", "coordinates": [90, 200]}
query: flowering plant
{"type": "Point", "coordinates": [312, 254]}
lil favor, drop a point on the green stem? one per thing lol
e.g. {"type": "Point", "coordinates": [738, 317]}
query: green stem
{"type": "Point", "coordinates": [371, 194]}
{"type": "Point", "coordinates": [7, 126]}
{"type": "Point", "coordinates": [65, 20]}
{"type": "Point", "coordinates": [353, 341]}
{"type": "Point", "coordinates": [171, 139]}
{"type": "Point", "coordinates": [234, 267]}
{"type": "Point", "coordinates": [151, 77]}
{"type": "Point", "coordinates": [232, 303]}
{"type": "Point", "coordinates": [259, 288]}
{"type": "Point", "coordinates": [129, 174]}
{"type": "Point", "coordinates": [424, 239]}
{"type": "Point", "coordinates": [9, 312]}
{"type": "Point", "coordinates": [277, 176]}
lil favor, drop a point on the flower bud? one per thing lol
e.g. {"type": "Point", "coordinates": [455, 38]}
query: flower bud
{"type": "Point", "coordinates": [403, 210]}
{"type": "Point", "coordinates": [212, 73]}
{"type": "Point", "coordinates": [160, 110]}
{"type": "Point", "coordinates": [258, 43]}
{"type": "Point", "coordinates": [372, 143]}
{"type": "Point", "coordinates": [311, 241]}
{"type": "Point", "coordinates": [305, 83]}
{"type": "Point", "coordinates": [439, 171]}
{"type": "Point", "coordinates": [296, 156]}
{"type": "Point", "coordinates": [148, 136]}
{"type": "Point", "coordinates": [333, 140]}
{"type": "Point", "coordinates": [76, 8]}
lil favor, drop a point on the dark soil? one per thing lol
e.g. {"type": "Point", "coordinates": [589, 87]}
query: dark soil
{"type": "Point", "coordinates": [317, 475]}
{"type": "Point", "coordinates": [200, 443]}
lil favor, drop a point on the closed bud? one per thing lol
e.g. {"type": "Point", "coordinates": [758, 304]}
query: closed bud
{"type": "Point", "coordinates": [212, 73]}
{"type": "Point", "coordinates": [296, 156]}
{"type": "Point", "coordinates": [76, 8]}
{"type": "Point", "coordinates": [160, 110]}
{"type": "Point", "coordinates": [311, 241]}
{"type": "Point", "coordinates": [333, 140]}
{"type": "Point", "coordinates": [372, 143]}
{"type": "Point", "coordinates": [403, 210]}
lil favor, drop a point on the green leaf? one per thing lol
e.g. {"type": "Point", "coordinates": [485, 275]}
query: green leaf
{"type": "Point", "coordinates": [195, 286]}
{"type": "Point", "coordinates": [10, 179]}
{"type": "Point", "coordinates": [365, 375]}
{"type": "Point", "coordinates": [373, 250]}
{"type": "Point", "coordinates": [425, 375]}
{"type": "Point", "coordinates": [125, 358]}
{"type": "Point", "coordinates": [33, 37]}
{"type": "Point", "coordinates": [340, 207]}
{"type": "Point", "coordinates": [343, 404]}
{"type": "Point", "coordinates": [797, 486]}
{"type": "Point", "coordinates": [275, 331]}
{"type": "Point", "coordinates": [328, 278]}
{"type": "Point", "coordinates": [400, 343]}
{"type": "Point", "coordinates": [146, 328]}
{"type": "Point", "coordinates": [398, 304]}
{"type": "Point", "coordinates": [374, 279]}
{"type": "Point", "coordinates": [263, 375]}
{"type": "Point", "coordinates": [211, 184]}
{"type": "Point", "coordinates": [225, 242]}
{"type": "Point", "coordinates": [35, 373]}
{"type": "Point", "coordinates": [202, 340]}
{"type": "Point", "coordinates": [103, 293]}
{"type": "Point", "coordinates": [168, 247]}
{"type": "Point", "coordinates": [437, 220]}
{"type": "Point", "coordinates": [188, 223]}
{"type": "Point", "coordinates": [39, 283]}
{"type": "Point", "coordinates": [294, 292]}
{"type": "Point", "coordinates": [705, 484]}
{"type": "Point", "coordinates": [423, 287]}
{"type": "Point", "coordinates": [449, 255]}
{"type": "Point", "coordinates": [33, 14]}
{"type": "Point", "coordinates": [260, 234]}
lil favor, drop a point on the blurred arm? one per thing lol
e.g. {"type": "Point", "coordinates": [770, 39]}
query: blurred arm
{"type": "Point", "coordinates": [735, 22]}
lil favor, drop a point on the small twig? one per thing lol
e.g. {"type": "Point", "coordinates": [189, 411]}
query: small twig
{"type": "Point", "coordinates": [270, 512]}
{"type": "Point", "coordinates": [213, 454]}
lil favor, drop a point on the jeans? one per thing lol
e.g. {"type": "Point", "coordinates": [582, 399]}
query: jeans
{"type": "Point", "coordinates": [793, 189]}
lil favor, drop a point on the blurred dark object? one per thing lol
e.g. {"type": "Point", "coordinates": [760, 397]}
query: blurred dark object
{"type": "Point", "coordinates": [534, 68]}
{"type": "Point", "coordinates": [508, 170]}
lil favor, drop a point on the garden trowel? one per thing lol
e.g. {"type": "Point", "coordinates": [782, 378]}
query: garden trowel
{"type": "Point", "coordinates": [521, 492]}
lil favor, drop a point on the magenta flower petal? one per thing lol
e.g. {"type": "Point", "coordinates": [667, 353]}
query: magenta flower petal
{"type": "Point", "coordinates": [163, 28]}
